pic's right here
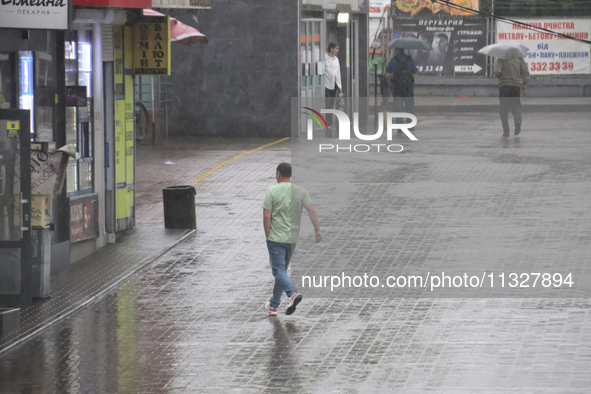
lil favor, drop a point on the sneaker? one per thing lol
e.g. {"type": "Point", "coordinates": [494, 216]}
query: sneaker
{"type": "Point", "coordinates": [293, 302]}
{"type": "Point", "coordinates": [272, 312]}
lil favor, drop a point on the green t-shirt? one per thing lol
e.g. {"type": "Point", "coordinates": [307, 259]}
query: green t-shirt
{"type": "Point", "coordinates": [285, 201]}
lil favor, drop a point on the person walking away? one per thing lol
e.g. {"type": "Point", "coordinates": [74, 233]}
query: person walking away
{"type": "Point", "coordinates": [282, 210]}
{"type": "Point", "coordinates": [401, 81]}
{"type": "Point", "coordinates": [513, 78]}
{"type": "Point", "coordinates": [332, 81]}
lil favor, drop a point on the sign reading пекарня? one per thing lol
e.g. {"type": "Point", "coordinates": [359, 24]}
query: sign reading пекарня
{"type": "Point", "coordinates": [549, 53]}
{"type": "Point", "coordinates": [34, 14]}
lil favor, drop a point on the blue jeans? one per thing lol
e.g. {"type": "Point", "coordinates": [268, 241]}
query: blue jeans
{"type": "Point", "coordinates": [279, 257]}
{"type": "Point", "coordinates": [403, 104]}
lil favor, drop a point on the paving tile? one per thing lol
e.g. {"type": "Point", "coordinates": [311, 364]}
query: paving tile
{"type": "Point", "coordinates": [192, 320]}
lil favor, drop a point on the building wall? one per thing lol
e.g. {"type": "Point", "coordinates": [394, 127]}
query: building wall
{"type": "Point", "coordinates": [242, 82]}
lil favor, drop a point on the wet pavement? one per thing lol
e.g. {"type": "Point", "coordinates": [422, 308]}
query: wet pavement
{"type": "Point", "coordinates": [191, 320]}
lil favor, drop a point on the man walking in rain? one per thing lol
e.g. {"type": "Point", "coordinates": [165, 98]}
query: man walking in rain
{"type": "Point", "coordinates": [513, 78]}
{"type": "Point", "coordinates": [282, 211]}
{"type": "Point", "coordinates": [401, 81]}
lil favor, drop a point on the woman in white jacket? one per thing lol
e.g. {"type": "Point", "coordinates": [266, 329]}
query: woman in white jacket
{"type": "Point", "coordinates": [332, 78]}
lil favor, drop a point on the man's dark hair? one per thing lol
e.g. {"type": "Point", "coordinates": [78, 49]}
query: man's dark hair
{"type": "Point", "coordinates": [442, 35]}
{"type": "Point", "coordinates": [332, 46]}
{"type": "Point", "coordinates": [284, 170]}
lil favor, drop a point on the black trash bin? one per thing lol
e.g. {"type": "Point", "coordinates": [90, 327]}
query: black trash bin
{"type": "Point", "coordinates": [179, 207]}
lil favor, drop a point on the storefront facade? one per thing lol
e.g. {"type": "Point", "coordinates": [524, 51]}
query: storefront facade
{"type": "Point", "coordinates": [30, 64]}
{"type": "Point", "coordinates": [77, 82]}
{"type": "Point", "coordinates": [344, 23]}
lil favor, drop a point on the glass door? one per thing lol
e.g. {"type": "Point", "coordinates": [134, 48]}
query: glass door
{"type": "Point", "coordinates": [15, 207]}
{"type": "Point", "coordinates": [312, 48]}
{"type": "Point", "coordinates": [353, 58]}
{"type": "Point", "coordinates": [79, 119]}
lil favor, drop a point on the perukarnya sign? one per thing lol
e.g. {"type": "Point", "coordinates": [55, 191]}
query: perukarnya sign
{"type": "Point", "coordinates": [34, 14]}
{"type": "Point", "coordinates": [345, 131]}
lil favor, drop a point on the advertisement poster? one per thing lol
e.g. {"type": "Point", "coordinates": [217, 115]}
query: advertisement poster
{"type": "Point", "coordinates": [550, 54]}
{"type": "Point", "coordinates": [428, 7]}
{"type": "Point", "coordinates": [378, 36]}
{"type": "Point", "coordinates": [378, 12]}
{"type": "Point", "coordinates": [47, 171]}
{"type": "Point", "coordinates": [455, 44]}
{"type": "Point", "coordinates": [83, 218]}
{"type": "Point", "coordinates": [377, 8]}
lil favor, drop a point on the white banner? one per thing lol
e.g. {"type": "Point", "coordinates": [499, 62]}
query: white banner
{"type": "Point", "coordinates": [34, 14]}
{"type": "Point", "coordinates": [377, 7]}
{"type": "Point", "coordinates": [550, 54]}
{"type": "Point", "coordinates": [375, 26]}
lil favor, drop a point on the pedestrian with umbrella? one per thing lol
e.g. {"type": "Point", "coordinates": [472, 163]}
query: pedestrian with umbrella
{"type": "Point", "coordinates": [513, 76]}
{"type": "Point", "coordinates": [399, 74]}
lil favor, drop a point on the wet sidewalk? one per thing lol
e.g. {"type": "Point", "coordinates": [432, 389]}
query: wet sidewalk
{"type": "Point", "coordinates": [86, 281]}
{"type": "Point", "coordinates": [192, 320]}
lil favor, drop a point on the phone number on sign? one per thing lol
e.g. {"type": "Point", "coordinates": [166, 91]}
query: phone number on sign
{"type": "Point", "coordinates": [430, 68]}
{"type": "Point", "coordinates": [550, 66]}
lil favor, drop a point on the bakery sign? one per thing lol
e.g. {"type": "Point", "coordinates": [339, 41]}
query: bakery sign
{"type": "Point", "coordinates": [34, 14]}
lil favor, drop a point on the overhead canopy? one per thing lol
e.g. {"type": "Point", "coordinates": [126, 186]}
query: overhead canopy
{"type": "Point", "coordinates": [180, 32]}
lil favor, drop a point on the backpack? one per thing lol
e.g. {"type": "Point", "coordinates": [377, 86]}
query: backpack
{"type": "Point", "coordinates": [403, 79]}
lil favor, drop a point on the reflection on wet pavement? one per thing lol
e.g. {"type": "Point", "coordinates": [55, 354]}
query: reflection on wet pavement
{"type": "Point", "coordinates": [177, 328]}
{"type": "Point", "coordinates": [192, 321]}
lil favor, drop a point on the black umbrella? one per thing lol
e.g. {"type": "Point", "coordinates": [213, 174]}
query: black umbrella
{"type": "Point", "coordinates": [410, 43]}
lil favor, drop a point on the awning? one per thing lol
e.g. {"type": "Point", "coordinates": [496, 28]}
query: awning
{"type": "Point", "coordinates": [179, 32]}
{"type": "Point", "coordinates": [113, 3]}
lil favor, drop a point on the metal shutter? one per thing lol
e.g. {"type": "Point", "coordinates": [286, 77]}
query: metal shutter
{"type": "Point", "coordinates": [108, 48]}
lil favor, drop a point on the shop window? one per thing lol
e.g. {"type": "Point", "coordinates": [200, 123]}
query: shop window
{"type": "Point", "coordinates": [36, 87]}
{"type": "Point", "coordinates": [45, 90]}
{"type": "Point", "coordinates": [79, 120]}
{"type": "Point", "coordinates": [26, 97]}
{"type": "Point", "coordinates": [7, 87]}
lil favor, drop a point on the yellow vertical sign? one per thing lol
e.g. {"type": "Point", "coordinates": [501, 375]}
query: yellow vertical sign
{"type": "Point", "coordinates": [119, 105]}
{"type": "Point", "coordinates": [125, 129]}
{"type": "Point", "coordinates": [151, 46]}
{"type": "Point", "coordinates": [119, 66]}
{"type": "Point", "coordinates": [129, 112]}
